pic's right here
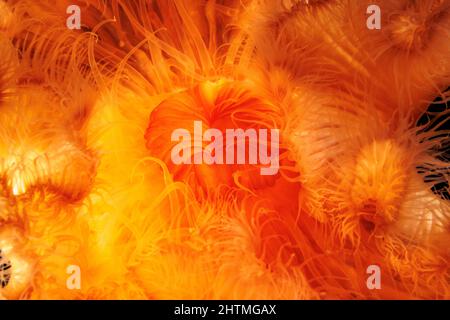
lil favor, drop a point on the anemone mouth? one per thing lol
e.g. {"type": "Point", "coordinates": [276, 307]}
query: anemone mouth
{"type": "Point", "coordinates": [367, 224]}
{"type": "Point", "coordinates": [220, 105]}
{"type": "Point", "coordinates": [372, 214]}
{"type": "Point", "coordinates": [412, 28]}
{"type": "Point", "coordinates": [407, 33]}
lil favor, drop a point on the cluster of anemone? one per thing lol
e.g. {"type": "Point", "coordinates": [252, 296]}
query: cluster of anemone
{"type": "Point", "coordinates": [86, 175]}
